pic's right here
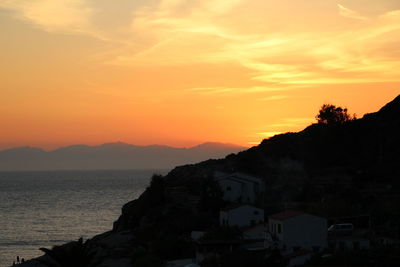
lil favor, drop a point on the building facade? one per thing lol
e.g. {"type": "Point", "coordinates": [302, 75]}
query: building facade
{"type": "Point", "coordinates": [241, 215]}
{"type": "Point", "coordinates": [239, 187]}
{"type": "Point", "coordinates": [293, 230]}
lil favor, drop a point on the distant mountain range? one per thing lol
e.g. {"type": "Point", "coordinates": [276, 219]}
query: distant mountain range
{"type": "Point", "coordinates": [110, 156]}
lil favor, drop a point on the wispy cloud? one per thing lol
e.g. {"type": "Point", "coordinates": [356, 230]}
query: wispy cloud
{"type": "Point", "coordinates": [66, 16]}
{"type": "Point", "coordinates": [268, 134]}
{"type": "Point", "coordinates": [211, 90]}
{"type": "Point", "coordinates": [273, 98]}
{"type": "Point", "coordinates": [180, 32]}
{"type": "Point", "coordinates": [245, 90]}
{"type": "Point", "coordinates": [348, 13]}
{"type": "Point", "coordinates": [290, 123]}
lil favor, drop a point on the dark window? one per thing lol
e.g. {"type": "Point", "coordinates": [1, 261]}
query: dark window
{"type": "Point", "coordinates": [256, 212]}
{"type": "Point", "coordinates": [279, 228]}
{"type": "Point", "coordinates": [228, 188]}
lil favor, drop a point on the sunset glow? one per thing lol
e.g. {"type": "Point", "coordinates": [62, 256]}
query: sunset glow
{"type": "Point", "coordinates": [181, 72]}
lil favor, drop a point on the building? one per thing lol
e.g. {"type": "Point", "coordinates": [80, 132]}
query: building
{"type": "Point", "coordinates": [241, 215]}
{"type": "Point", "coordinates": [239, 187]}
{"type": "Point", "coordinates": [294, 230]}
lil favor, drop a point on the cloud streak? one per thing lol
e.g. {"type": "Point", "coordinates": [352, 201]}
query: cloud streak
{"type": "Point", "coordinates": [71, 16]}
{"type": "Point", "coordinates": [180, 32]}
{"type": "Point", "coordinates": [348, 13]}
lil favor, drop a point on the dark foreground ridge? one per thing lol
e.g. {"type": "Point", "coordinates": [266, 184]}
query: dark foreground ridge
{"type": "Point", "coordinates": [348, 170]}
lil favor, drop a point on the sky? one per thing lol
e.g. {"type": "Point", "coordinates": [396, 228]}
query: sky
{"type": "Point", "coordinates": [183, 72]}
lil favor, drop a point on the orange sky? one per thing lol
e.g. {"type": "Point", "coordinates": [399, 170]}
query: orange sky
{"type": "Point", "coordinates": [182, 72]}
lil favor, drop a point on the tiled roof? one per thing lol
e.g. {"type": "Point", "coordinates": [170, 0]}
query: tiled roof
{"type": "Point", "coordinates": [285, 215]}
{"type": "Point", "coordinates": [247, 228]}
{"type": "Point", "coordinates": [237, 176]}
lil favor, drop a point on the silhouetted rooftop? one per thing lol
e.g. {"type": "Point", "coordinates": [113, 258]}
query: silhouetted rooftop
{"type": "Point", "coordinates": [285, 215]}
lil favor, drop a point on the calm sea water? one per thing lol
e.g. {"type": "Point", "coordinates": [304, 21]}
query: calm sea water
{"type": "Point", "coordinates": [43, 209]}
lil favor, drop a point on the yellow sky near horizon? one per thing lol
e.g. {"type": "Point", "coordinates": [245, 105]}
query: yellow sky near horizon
{"type": "Point", "coordinates": [182, 72]}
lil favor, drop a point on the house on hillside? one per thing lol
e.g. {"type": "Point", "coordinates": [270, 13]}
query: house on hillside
{"type": "Point", "coordinates": [294, 230]}
{"type": "Point", "coordinates": [239, 187]}
{"type": "Point", "coordinates": [241, 215]}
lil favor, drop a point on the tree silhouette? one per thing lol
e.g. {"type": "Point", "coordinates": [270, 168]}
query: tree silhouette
{"type": "Point", "coordinates": [330, 114]}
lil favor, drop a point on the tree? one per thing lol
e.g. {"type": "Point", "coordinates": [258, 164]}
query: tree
{"type": "Point", "coordinates": [330, 114]}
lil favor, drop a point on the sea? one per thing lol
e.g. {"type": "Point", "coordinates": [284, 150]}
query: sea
{"type": "Point", "coordinates": [43, 209]}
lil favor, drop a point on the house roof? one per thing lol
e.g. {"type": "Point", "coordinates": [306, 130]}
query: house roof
{"type": "Point", "coordinates": [238, 205]}
{"type": "Point", "coordinates": [285, 215]}
{"type": "Point", "coordinates": [248, 228]}
{"type": "Point", "coordinates": [237, 176]}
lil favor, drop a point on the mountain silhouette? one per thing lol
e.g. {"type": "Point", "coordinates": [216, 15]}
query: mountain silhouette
{"type": "Point", "coordinates": [110, 156]}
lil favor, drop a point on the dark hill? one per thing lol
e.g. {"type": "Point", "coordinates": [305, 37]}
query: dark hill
{"type": "Point", "coordinates": [328, 164]}
{"type": "Point", "coordinates": [366, 145]}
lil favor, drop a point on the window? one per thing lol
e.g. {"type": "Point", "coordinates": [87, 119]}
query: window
{"type": "Point", "coordinates": [228, 188]}
{"type": "Point", "coordinates": [279, 228]}
{"type": "Point", "coordinates": [256, 212]}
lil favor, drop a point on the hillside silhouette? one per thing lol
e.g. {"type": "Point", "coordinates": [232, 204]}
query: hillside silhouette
{"type": "Point", "coordinates": [369, 147]}
{"type": "Point", "coordinates": [320, 169]}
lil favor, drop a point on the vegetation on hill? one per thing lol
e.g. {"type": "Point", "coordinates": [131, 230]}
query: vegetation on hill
{"type": "Point", "coordinates": [330, 114]}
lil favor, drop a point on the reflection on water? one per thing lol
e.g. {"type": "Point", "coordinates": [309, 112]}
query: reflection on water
{"type": "Point", "coordinates": [42, 209]}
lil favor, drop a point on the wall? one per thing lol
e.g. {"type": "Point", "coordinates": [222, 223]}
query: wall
{"type": "Point", "coordinates": [235, 192]}
{"type": "Point", "coordinates": [303, 231]}
{"type": "Point", "coordinates": [242, 216]}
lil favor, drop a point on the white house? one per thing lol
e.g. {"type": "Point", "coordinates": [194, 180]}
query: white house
{"type": "Point", "coordinates": [241, 215]}
{"type": "Point", "coordinates": [294, 230]}
{"type": "Point", "coordinates": [239, 187]}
